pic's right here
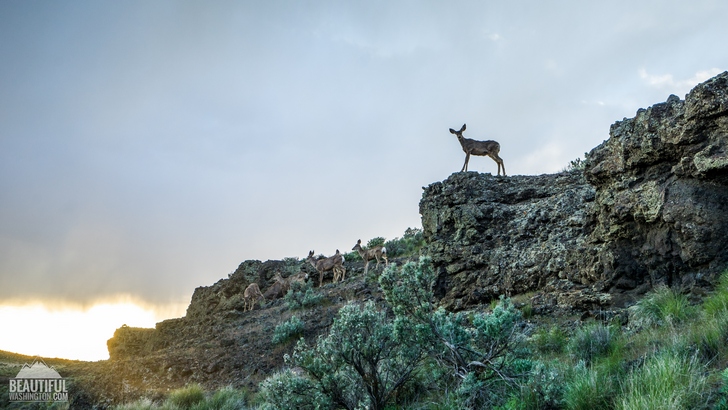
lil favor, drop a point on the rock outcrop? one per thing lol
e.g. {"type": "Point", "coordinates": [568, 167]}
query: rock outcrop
{"type": "Point", "coordinates": [649, 207]}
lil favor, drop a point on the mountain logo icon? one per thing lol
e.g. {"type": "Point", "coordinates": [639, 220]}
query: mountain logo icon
{"type": "Point", "coordinates": [38, 370]}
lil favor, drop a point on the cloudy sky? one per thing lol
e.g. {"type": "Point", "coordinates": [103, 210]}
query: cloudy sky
{"type": "Point", "coordinates": [147, 148]}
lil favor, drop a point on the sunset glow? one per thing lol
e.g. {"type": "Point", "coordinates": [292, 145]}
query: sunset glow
{"type": "Point", "coordinates": [74, 332]}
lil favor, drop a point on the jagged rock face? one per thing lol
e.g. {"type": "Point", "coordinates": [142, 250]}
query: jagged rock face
{"type": "Point", "coordinates": [494, 236]}
{"type": "Point", "coordinates": [650, 208]}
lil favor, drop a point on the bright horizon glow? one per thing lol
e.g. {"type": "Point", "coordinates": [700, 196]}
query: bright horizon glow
{"type": "Point", "coordinates": [76, 333]}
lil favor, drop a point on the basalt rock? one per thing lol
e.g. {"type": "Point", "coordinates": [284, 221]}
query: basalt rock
{"type": "Point", "coordinates": [649, 207]}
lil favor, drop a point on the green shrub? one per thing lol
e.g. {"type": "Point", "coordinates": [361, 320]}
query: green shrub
{"type": "Point", "coordinates": [484, 350]}
{"type": "Point", "coordinates": [226, 398]}
{"type": "Point", "coordinates": [663, 306]}
{"type": "Point", "coordinates": [722, 401]}
{"type": "Point", "coordinates": [409, 244]}
{"type": "Point", "coordinates": [364, 361]}
{"type": "Point", "coordinates": [302, 295]}
{"type": "Point", "coordinates": [717, 302]}
{"type": "Point", "coordinates": [590, 388]}
{"type": "Point", "coordinates": [665, 381]}
{"type": "Point", "coordinates": [544, 389]}
{"type": "Point", "coordinates": [592, 341]}
{"type": "Point", "coordinates": [288, 330]}
{"type": "Point", "coordinates": [187, 397]}
{"type": "Point", "coordinates": [552, 340]}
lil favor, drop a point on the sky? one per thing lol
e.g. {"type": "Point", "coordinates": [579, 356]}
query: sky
{"type": "Point", "coordinates": [148, 148]}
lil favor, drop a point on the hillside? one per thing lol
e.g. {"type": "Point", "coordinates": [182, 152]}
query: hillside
{"type": "Point", "coordinates": [648, 207]}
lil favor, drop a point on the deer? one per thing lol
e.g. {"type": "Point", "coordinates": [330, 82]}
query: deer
{"type": "Point", "coordinates": [251, 295]}
{"type": "Point", "coordinates": [479, 148]}
{"type": "Point", "coordinates": [280, 286]}
{"type": "Point", "coordinates": [335, 263]}
{"type": "Point", "coordinates": [376, 252]}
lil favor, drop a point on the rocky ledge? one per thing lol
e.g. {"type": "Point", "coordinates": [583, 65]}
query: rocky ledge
{"type": "Point", "coordinates": [648, 207]}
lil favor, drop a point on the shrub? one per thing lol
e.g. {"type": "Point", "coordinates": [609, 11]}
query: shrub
{"type": "Point", "coordinates": [302, 295]}
{"type": "Point", "coordinates": [717, 302]}
{"type": "Point", "coordinates": [665, 381]}
{"type": "Point", "coordinates": [483, 351]}
{"type": "Point", "coordinates": [590, 388]}
{"type": "Point", "coordinates": [288, 390]}
{"type": "Point", "coordinates": [226, 398]}
{"type": "Point", "coordinates": [592, 341]}
{"type": "Point", "coordinates": [663, 306]}
{"type": "Point", "coordinates": [722, 402]}
{"type": "Point", "coordinates": [364, 361]}
{"type": "Point", "coordinates": [409, 244]}
{"type": "Point", "coordinates": [288, 330]}
{"type": "Point", "coordinates": [187, 397]}
{"type": "Point", "coordinates": [552, 340]}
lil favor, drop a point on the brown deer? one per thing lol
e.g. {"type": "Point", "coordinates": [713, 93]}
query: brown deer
{"type": "Point", "coordinates": [251, 295]}
{"type": "Point", "coordinates": [376, 252]}
{"type": "Point", "coordinates": [480, 148]}
{"type": "Point", "coordinates": [280, 285]}
{"type": "Point", "coordinates": [335, 263]}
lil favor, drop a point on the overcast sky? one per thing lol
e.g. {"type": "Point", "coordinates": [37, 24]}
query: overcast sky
{"type": "Point", "coordinates": [149, 147]}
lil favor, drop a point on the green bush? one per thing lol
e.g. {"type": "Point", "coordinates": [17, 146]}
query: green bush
{"type": "Point", "coordinates": [665, 381]}
{"type": "Point", "coordinates": [717, 302]}
{"type": "Point", "coordinates": [590, 388]}
{"type": "Point", "coordinates": [302, 295]}
{"type": "Point", "coordinates": [484, 351]}
{"type": "Point", "coordinates": [592, 341]}
{"type": "Point", "coordinates": [409, 244]}
{"type": "Point", "coordinates": [663, 306]}
{"type": "Point", "coordinates": [553, 340]}
{"type": "Point", "coordinates": [722, 401]}
{"type": "Point", "coordinates": [364, 361]}
{"type": "Point", "coordinates": [226, 398]}
{"type": "Point", "coordinates": [288, 330]}
{"type": "Point", "coordinates": [187, 397]}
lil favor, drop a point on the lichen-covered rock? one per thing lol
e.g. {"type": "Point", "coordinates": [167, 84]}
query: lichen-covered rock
{"type": "Point", "coordinates": [493, 236]}
{"type": "Point", "coordinates": [651, 207]}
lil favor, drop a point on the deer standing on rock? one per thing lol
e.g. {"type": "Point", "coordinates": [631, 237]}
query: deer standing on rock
{"type": "Point", "coordinates": [376, 252]}
{"type": "Point", "coordinates": [335, 263]}
{"type": "Point", "coordinates": [480, 148]}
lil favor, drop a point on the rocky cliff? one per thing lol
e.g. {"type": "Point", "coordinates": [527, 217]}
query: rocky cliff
{"type": "Point", "coordinates": [649, 207]}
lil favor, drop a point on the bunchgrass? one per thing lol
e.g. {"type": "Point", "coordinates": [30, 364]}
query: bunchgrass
{"type": "Point", "coordinates": [590, 388]}
{"type": "Point", "coordinates": [593, 341]}
{"type": "Point", "coordinates": [717, 302]}
{"type": "Point", "coordinates": [665, 381]}
{"type": "Point", "coordinates": [188, 396]}
{"type": "Point", "coordinates": [664, 306]}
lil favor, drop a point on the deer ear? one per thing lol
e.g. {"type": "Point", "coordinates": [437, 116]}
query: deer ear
{"type": "Point", "coordinates": [452, 131]}
{"type": "Point", "coordinates": [462, 129]}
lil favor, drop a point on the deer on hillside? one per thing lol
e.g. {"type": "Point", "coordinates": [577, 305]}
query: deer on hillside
{"type": "Point", "coordinates": [376, 252]}
{"type": "Point", "coordinates": [335, 263]}
{"type": "Point", "coordinates": [280, 286]}
{"type": "Point", "coordinates": [480, 148]}
{"type": "Point", "coordinates": [251, 295]}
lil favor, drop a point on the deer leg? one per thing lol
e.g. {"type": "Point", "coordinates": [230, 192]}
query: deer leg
{"type": "Point", "coordinates": [366, 267]}
{"type": "Point", "coordinates": [465, 165]}
{"type": "Point", "coordinates": [499, 162]}
{"type": "Point", "coordinates": [321, 278]}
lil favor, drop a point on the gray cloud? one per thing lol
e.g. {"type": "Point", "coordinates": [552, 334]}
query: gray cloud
{"type": "Point", "coordinates": [148, 148]}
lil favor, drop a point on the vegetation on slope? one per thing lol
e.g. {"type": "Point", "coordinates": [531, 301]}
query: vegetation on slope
{"type": "Point", "coordinates": [408, 353]}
